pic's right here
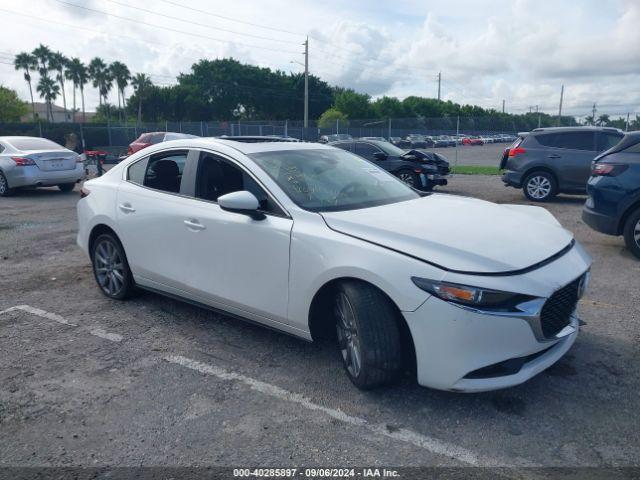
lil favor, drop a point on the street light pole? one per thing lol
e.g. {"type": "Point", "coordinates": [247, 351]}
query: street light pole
{"type": "Point", "coordinates": [306, 85]}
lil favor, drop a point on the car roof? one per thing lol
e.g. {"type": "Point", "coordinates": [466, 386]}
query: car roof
{"type": "Point", "coordinates": [576, 129]}
{"type": "Point", "coordinates": [244, 147]}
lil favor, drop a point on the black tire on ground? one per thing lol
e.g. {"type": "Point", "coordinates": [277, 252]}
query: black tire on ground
{"type": "Point", "coordinates": [409, 177]}
{"type": "Point", "coordinates": [373, 332]}
{"type": "Point", "coordinates": [110, 267]}
{"type": "Point", "coordinates": [632, 232]}
{"type": "Point", "coordinates": [5, 191]}
{"type": "Point", "coordinates": [540, 186]}
{"type": "Point", "coordinates": [66, 187]}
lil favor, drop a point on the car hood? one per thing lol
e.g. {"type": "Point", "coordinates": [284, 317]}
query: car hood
{"type": "Point", "coordinates": [458, 233]}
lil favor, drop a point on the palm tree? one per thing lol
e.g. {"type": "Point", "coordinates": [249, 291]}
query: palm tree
{"type": "Point", "coordinates": [121, 75]}
{"type": "Point", "coordinates": [58, 63]}
{"type": "Point", "coordinates": [97, 70]}
{"type": "Point", "coordinates": [27, 62]}
{"type": "Point", "coordinates": [77, 73]}
{"type": "Point", "coordinates": [49, 90]}
{"type": "Point", "coordinates": [141, 83]}
{"type": "Point", "coordinates": [43, 56]}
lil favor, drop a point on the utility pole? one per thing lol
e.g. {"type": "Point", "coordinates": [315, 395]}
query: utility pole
{"type": "Point", "coordinates": [560, 107]}
{"type": "Point", "coordinates": [538, 112]}
{"type": "Point", "coordinates": [626, 128]}
{"type": "Point", "coordinates": [593, 113]}
{"type": "Point", "coordinates": [439, 83]}
{"type": "Point", "coordinates": [503, 105]}
{"type": "Point", "coordinates": [306, 86]}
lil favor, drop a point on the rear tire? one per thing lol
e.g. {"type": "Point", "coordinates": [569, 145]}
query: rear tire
{"type": "Point", "coordinates": [110, 267]}
{"type": "Point", "coordinates": [632, 232]}
{"type": "Point", "coordinates": [368, 335]}
{"type": "Point", "coordinates": [5, 191]}
{"type": "Point", "coordinates": [540, 186]}
{"type": "Point", "coordinates": [66, 187]}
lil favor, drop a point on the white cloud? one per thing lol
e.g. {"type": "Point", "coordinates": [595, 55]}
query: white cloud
{"type": "Point", "coordinates": [521, 51]}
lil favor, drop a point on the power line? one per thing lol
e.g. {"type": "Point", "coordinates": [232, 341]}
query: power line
{"type": "Point", "coordinates": [191, 22]}
{"type": "Point", "coordinates": [231, 19]}
{"type": "Point", "coordinates": [169, 29]}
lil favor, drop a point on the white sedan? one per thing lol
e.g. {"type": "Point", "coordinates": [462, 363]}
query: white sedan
{"type": "Point", "coordinates": [315, 241]}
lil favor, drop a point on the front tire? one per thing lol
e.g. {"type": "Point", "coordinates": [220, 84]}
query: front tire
{"type": "Point", "coordinates": [540, 186]}
{"type": "Point", "coordinates": [110, 267]}
{"type": "Point", "coordinates": [368, 335]}
{"type": "Point", "coordinates": [632, 233]}
{"type": "Point", "coordinates": [409, 177]}
{"type": "Point", "coordinates": [5, 191]}
{"type": "Point", "coordinates": [66, 187]}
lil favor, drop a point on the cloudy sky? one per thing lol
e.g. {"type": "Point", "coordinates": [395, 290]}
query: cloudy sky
{"type": "Point", "coordinates": [518, 50]}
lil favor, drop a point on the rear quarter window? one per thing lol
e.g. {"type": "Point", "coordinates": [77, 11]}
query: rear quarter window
{"type": "Point", "coordinates": [606, 140]}
{"type": "Point", "coordinates": [633, 148]}
{"type": "Point", "coordinates": [567, 140]}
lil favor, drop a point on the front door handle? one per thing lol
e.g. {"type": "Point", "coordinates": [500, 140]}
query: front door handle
{"type": "Point", "coordinates": [193, 224]}
{"type": "Point", "coordinates": [554, 155]}
{"type": "Point", "coordinates": [126, 207]}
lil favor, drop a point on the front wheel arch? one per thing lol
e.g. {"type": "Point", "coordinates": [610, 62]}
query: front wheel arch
{"type": "Point", "coordinates": [322, 323]}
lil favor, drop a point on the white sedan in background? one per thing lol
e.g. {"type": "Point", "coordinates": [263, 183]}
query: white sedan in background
{"type": "Point", "coordinates": [313, 241]}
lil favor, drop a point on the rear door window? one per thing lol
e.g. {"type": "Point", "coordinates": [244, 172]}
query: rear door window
{"type": "Point", "coordinates": [366, 150]}
{"type": "Point", "coordinates": [568, 140]}
{"type": "Point", "coordinates": [162, 171]}
{"type": "Point", "coordinates": [606, 140]}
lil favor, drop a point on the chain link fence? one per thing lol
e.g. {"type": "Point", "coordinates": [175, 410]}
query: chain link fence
{"type": "Point", "coordinates": [115, 138]}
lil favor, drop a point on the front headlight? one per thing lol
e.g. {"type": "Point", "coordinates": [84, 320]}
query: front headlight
{"type": "Point", "coordinates": [475, 297]}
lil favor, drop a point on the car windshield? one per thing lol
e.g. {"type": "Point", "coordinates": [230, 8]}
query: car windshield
{"type": "Point", "coordinates": [390, 149]}
{"type": "Point", "coordinates": [332, 180]}
{"type": "Point", "coordinates": [26, 144]}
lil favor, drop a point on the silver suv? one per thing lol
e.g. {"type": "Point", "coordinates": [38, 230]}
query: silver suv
{"type": "Point", "coordinates": [548, 161]}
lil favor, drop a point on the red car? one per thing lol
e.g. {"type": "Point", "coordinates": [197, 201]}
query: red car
{"type": "Point", "coordinates": [147, 139]}
{"type": "Point", "coordinates": [472, 141]}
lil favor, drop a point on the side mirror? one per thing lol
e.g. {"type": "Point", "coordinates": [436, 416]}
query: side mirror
{"type": "Point", "coordinates": [241, 202]}
{"type": "Point", "coordinates": [380, 156]}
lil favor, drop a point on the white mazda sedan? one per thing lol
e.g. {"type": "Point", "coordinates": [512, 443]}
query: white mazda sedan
{"type": "Point", "coordinates": [315, 241]}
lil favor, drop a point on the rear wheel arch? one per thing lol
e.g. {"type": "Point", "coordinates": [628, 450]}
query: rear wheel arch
{"type": "Point", "coordinates": [322, 322]}
{"type": "Point", "coordinates": [630, 210]}
{"type": "Point", "coordinates": [98, 230]}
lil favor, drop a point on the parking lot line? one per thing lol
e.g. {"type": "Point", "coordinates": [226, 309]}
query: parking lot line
{"type": "Point", "coordinates": [112, 337]}
{"type": "Point", "coordinates": [40, 313]}
{"type": "Point", "coordinates": [430, 444]}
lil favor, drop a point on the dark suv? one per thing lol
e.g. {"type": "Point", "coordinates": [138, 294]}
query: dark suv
{"type": "Point", "coordinates": [613, 206]}
{"type": "Point", "coordinates": [548, 161]}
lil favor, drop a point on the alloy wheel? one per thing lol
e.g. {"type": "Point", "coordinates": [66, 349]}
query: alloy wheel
{"type": "Point", "coordinates": [539, 187]}
{"type": "Point", "coordinates": [636, 233]}
{"type": "Point", "coordinates": [348, 339]}
{"type": "Point", "coordinates": [3, 184]}
{"type": "Point", "coordinates": [109, 267]}
{"type": "Point", "coordinates": [407, 178]}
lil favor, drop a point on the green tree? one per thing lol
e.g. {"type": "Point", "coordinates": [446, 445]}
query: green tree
{"type": "Point", "coordinates": [329, 117]}
{"type": "Point", "coordinates": [49, 90]}
{"type": "Point", "coordinates": [43, 56]}
{"type": "Point", "coordinates": [121, 75]}
{"type": "Point", "coordinates": [141, 85]}
{"type": "Point", "coordinates": [77, 73]}
{"type": "Point", "coordinates": [11, 107]}
{"type": "Point", "coordinates": [58, 63]}
{"type": "Point", "coordinates": [353, 104]}
{"type": "Point", "coordinates": [28, 63]}
{"type": "Point", "coordinates": [388, 107]}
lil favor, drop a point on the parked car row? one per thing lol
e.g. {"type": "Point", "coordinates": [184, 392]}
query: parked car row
{"type": "Point", "coordinates": [601, 161]}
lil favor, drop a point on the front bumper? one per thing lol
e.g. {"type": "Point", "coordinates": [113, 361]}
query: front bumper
{"type": "Point", "coordinates": [429, 180]}
{"type": "Point", "coordinates": [32, 176]}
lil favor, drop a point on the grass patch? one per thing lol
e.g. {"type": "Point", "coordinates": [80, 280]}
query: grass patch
{"type": "Point", "coordinates": [475, 170]}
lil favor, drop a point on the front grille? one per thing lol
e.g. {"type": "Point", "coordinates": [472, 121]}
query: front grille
{"type": "Point", "coordinates": [557, 310]}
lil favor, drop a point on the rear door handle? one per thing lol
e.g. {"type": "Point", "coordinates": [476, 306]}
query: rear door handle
{"type": "Point", "coordinates": [554, 155]}
{"type": "Point", "coordinates": [193, 224]}
{"type": "Point", "coordinates": [126, 208]}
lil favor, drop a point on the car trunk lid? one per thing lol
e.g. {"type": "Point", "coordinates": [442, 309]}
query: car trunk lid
{"type": "Point", "coordinates": [53, 160]}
